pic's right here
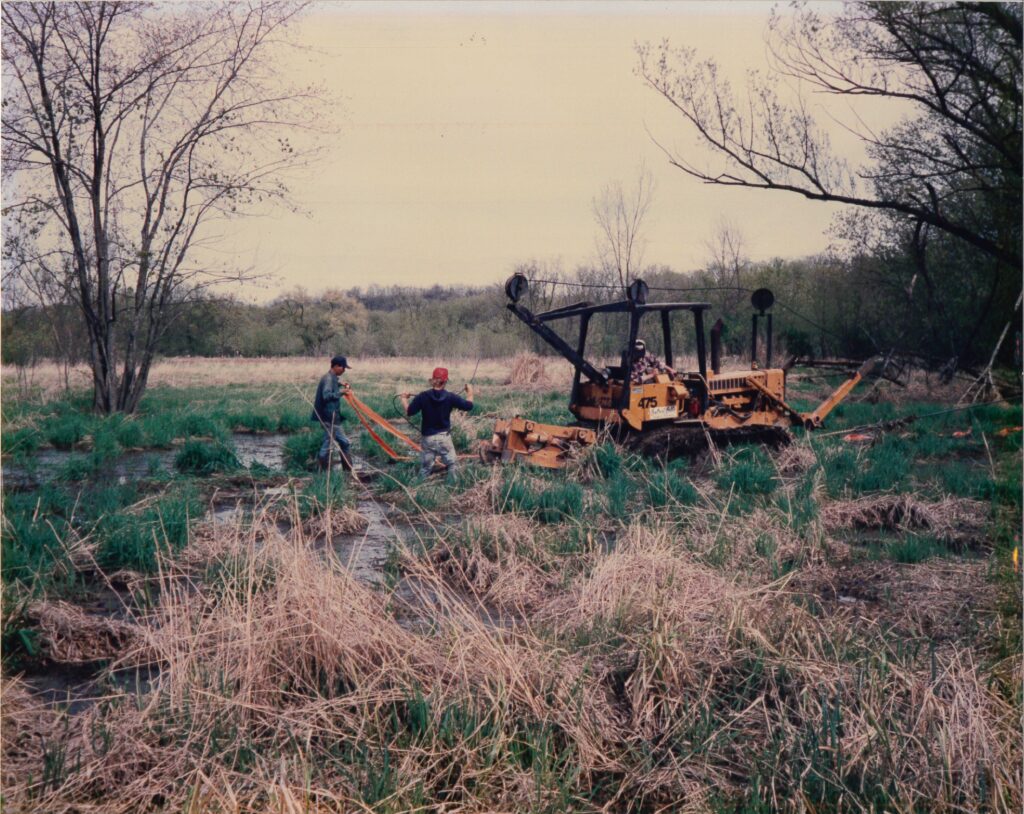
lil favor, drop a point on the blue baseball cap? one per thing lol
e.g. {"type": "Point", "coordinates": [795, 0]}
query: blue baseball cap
{"type": "Point", "coordinates": [340, 361]}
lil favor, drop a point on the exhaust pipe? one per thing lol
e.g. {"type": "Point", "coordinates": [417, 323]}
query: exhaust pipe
{"type": "Point", "coordinates": [762, 300]}
{"type": "Point", "coordinates": [716, 346]}
{"type": "Point", "coordinates": [753, 342]}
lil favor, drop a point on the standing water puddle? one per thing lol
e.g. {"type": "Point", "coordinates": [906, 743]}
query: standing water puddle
{"type": "Point", "coordinates": [364, 553]}
{"type": "Point", "coordinates": [80, 687]}
{"type": "Point", "coordinates": [47, 464]}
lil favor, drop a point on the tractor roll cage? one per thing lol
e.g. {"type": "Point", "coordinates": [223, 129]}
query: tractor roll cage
{"type": "Point", "coordinates": [636, 311]}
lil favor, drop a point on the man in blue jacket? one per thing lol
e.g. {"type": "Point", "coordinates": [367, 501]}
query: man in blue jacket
{"type": "Point", "coordinates": [436, 405]}
{"type": "Point", "coordinates": [327, 413]}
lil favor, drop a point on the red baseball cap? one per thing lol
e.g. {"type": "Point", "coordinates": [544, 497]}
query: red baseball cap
{"type": "Point", "coordinates": [440, 373]}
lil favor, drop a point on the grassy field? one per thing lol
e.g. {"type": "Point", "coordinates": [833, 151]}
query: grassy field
{"type": "Point", "coordinates": [833, 626]}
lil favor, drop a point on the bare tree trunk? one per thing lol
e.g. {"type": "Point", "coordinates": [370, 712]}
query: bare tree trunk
{"type": "Point", "coordinates": [129, 121]}
{"type": "Point", "coordinates": [100, 393]}
{"type": "Point", "coordinates": [134, 395]}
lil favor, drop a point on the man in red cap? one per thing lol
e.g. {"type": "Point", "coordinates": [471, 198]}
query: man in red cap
{"type": "Point", "coordinates": [436, 406]}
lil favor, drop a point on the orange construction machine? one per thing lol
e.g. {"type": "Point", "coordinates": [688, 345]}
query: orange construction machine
{"type": "Point", "coordinates": [666, 412]}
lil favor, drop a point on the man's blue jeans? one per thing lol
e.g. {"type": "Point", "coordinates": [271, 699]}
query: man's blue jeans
{"type": "Point", "coordinates": [339, 439]}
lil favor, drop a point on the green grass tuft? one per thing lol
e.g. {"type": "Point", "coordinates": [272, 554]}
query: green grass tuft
{"type": "Point", "coordinates": [608, 459]}
{"type": "Point", "coordinates": [619, 495]}
{"type": "Point", "coordinates": [324, 491]}
{"type": "Point", "coordinates": [915, 548]}
{"type": "Point", "coordinates": [158, 431]}
{"type": "Point", "coordinates": [130, 434]}
{"type": "Point", "coordinates": [885, 468]}
{"type": "Point", "coordinates": [751, 473]}
{"type": "Point", "coordinates": [252, 421]}
{"type": "Point", "coordinates": [205, 458]}
{"type": "Point", "coordinates": [290, 421]}
{"type": "Point", "coordinates": [198, 424]}
{"type": "Point", "coordinates": [132, 541]}
{"type": "Point", "coordinates": [551, 501]}
{"type": "Point", "coordinates": [20, 442]}
{"type": "Point", "coordinates": [560, 502]}
{"type": "Point", "coordinates": [300, 450]}
{"type": "Point", "coordinates": [66, 431]}
{"type": "Point", "coordinates": [669, 487]}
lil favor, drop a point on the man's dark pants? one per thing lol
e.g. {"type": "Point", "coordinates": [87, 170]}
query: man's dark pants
{"type": "Point", "coordinates": [342, 442]}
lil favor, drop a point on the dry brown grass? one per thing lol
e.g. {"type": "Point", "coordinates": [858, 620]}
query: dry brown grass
{"type": "Point", "coordinates": [951, 518]}
{"type": "Point", "coordinates": [27, 724]}
{"type": "Point", "coordinates": [289, 649]}
{"type": "Point", "coordinates": [299, 370]}
{"type": "Point", "coordinates": [70, 636]}
{"type": "Point", "coordinates": [480, 498]}
{"type": "Point", "coordinates": [527, 370]}
{"type": "Point", "coordinates": [331, 522]}
{"type": "Point", "coordinates": [795, 459]}
{"type": "Point", "coordinates": [654, 675]}
{"type": "Point", "coordinates": [658, 676]}
{"type": "Point", "coordinates": [503, 563]}
{"type": "Point", "coordinates": [922, 385]}
{"type": "Point", "coordinates": [684, 627]}
{"type": "Point", "coordinates": [941, 600]}
{"type": "Point", "coordinates": [693, 638]}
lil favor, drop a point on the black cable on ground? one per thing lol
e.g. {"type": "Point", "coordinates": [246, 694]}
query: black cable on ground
{"type": "Point", "coordinates": [898, 422]}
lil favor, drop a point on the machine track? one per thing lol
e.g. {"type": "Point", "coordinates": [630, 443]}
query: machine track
{"type": "Point", "coordinates": [677, 442]}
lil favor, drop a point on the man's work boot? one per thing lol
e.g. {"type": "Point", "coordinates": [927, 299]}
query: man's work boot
{"type": "Point", "coordinates": [323, 463]}
{"type": "Point", "coordinates": [346, 462]}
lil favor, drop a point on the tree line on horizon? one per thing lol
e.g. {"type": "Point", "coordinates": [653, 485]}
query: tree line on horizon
{"type": "Point", "coordinates": [826, 306]}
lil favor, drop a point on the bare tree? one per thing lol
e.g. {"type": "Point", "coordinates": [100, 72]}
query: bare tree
{"type": "Point", "coordinates": [727, 258]}
{"type": "Point", "coordinates": [955, 167]}
{"type": "Point", "coordinates": [620, 214]}
{"type": "Point", "coordinates": [129, 131]}
{"type": "Point", "coordinates": [44, 282]}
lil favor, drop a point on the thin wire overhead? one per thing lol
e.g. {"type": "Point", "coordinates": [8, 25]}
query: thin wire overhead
{"type": "Point", "coordinates": [677, 290]}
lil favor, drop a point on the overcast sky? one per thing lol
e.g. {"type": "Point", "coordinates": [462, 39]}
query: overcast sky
{"type": "Point", "coordinates": [473, 136]}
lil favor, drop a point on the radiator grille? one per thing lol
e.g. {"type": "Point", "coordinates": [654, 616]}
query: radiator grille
{"type": "Point", "coordinates": [734, 383]}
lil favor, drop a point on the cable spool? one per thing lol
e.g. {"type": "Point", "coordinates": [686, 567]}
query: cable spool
{"type": "Point", "coordinates": [517, 286]}
{"type": "Point", "coordinates": [637, 291]}
{"type": "Point", "coordinates": [762, 299]}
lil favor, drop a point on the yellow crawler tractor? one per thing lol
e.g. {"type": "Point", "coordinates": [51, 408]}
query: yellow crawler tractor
{"type": "Point", "coordinates": [665, 414]}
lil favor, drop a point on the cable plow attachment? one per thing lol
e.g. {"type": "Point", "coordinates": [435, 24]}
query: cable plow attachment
{"type": "Point", "coordinates": [816, 418]}
{"type": "Point", "coordinates": [369, 418]}
{"type": "Point", "coordinates": [547, 445]}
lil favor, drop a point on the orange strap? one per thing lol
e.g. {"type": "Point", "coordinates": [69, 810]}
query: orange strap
{"type": "Point", "coordinates": [383, 444]}
{"type": "Point", "coordinates": [362, 407]}
{"type": "Point", "coordinates": [366, 415]}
